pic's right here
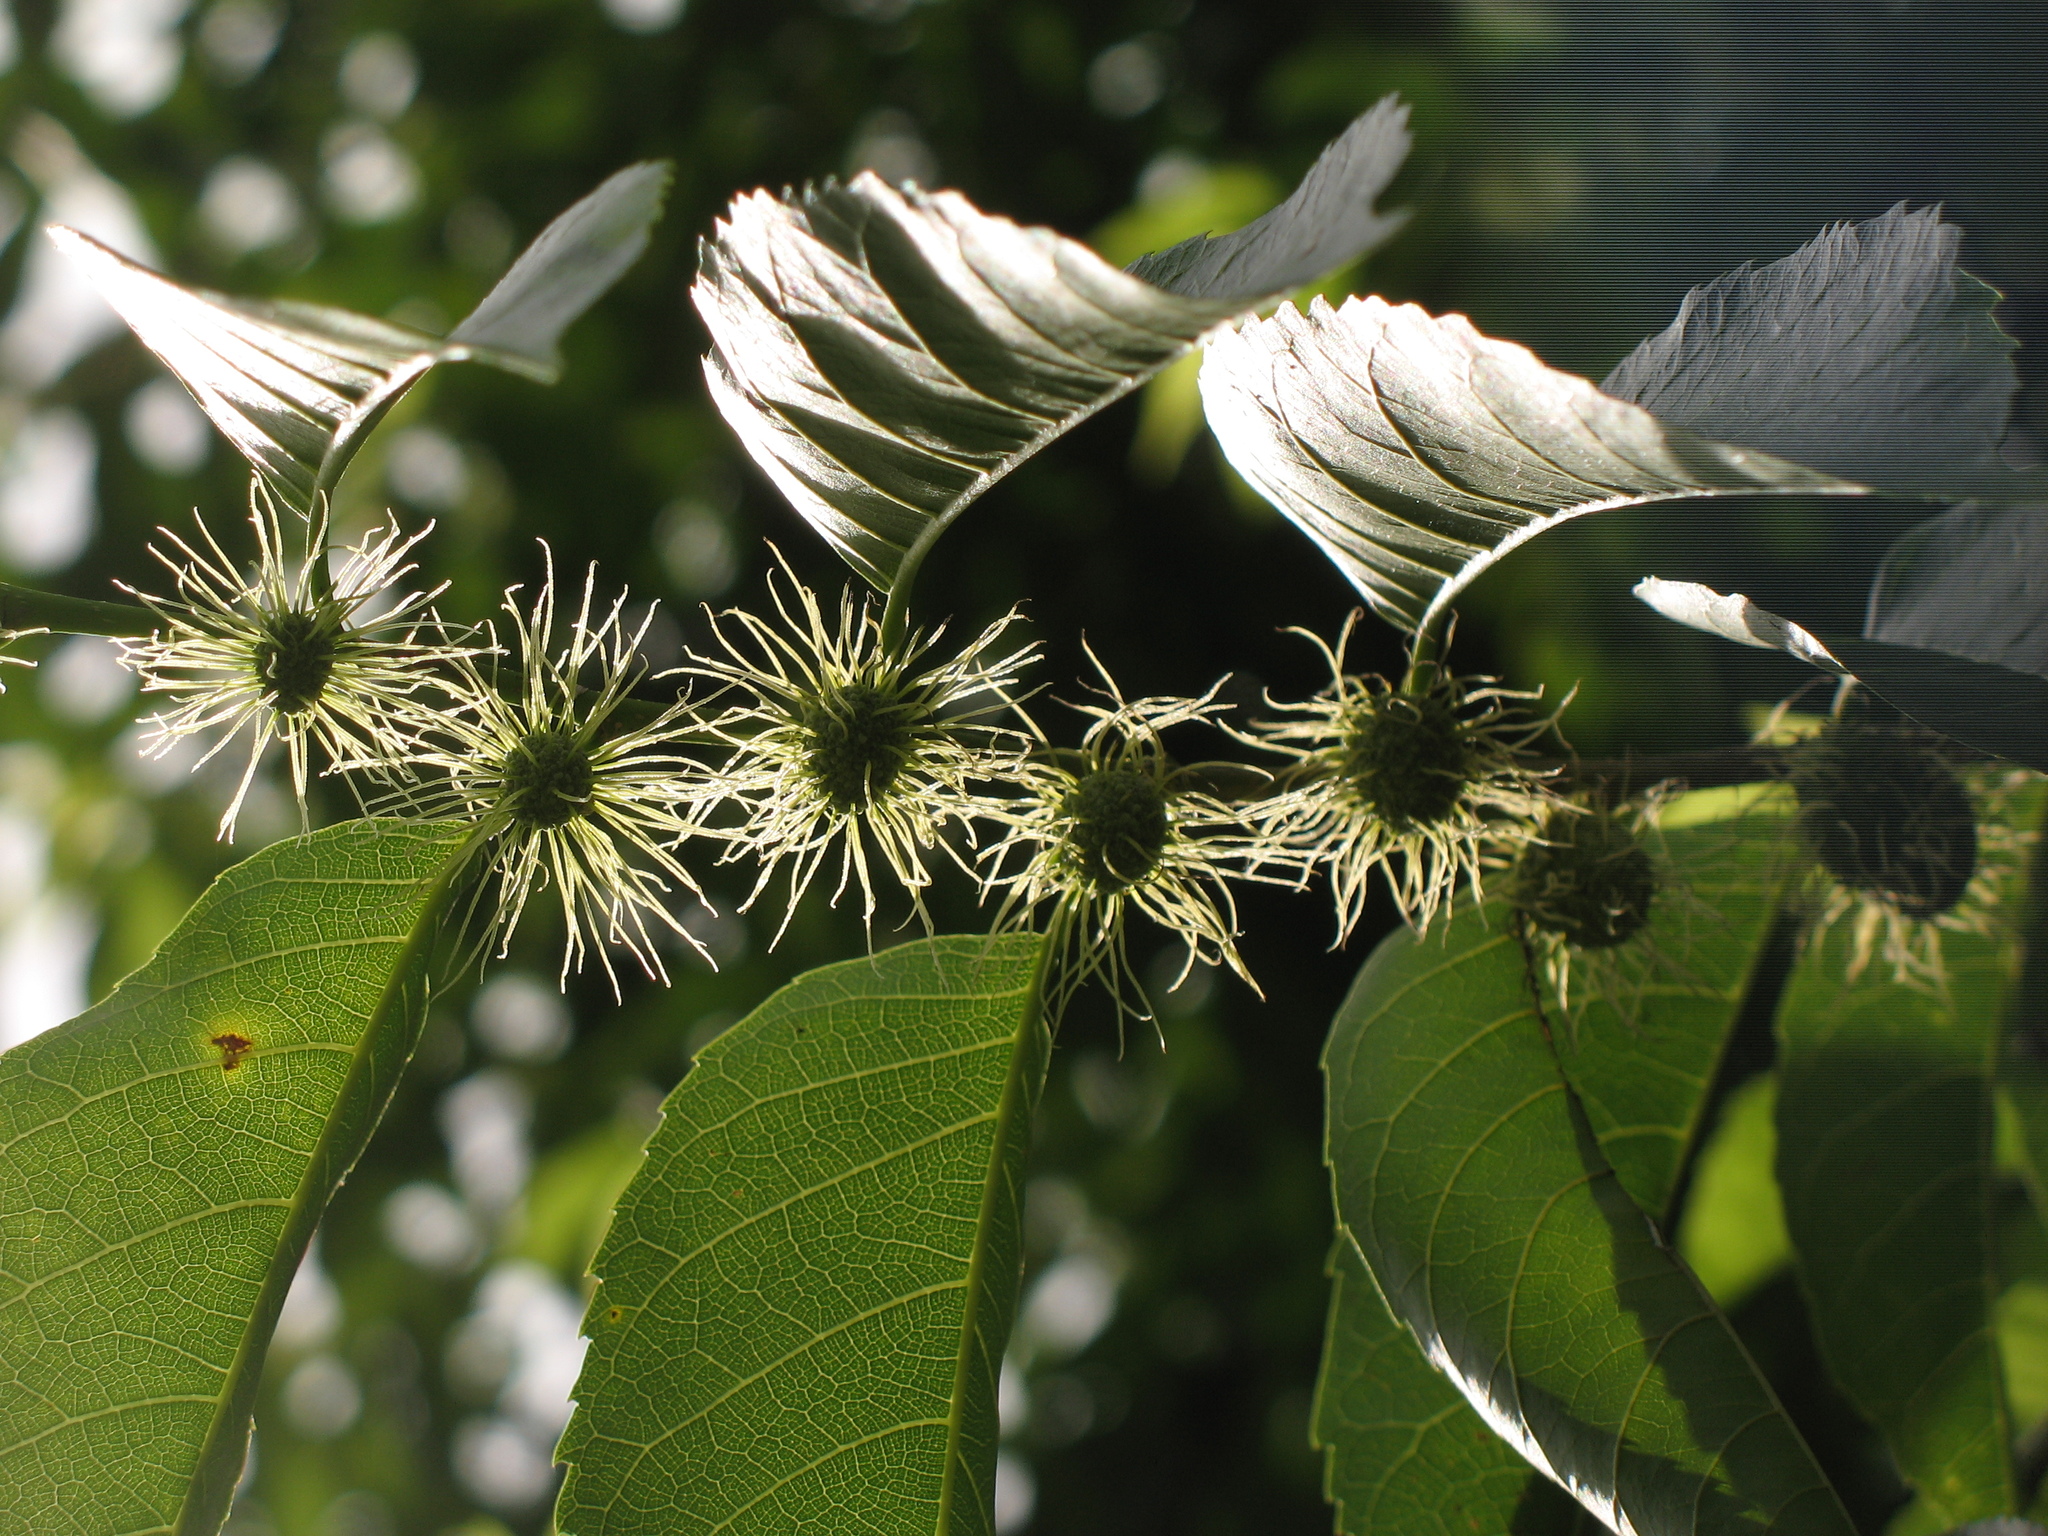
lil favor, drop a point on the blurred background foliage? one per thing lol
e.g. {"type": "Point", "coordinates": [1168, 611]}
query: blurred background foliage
{"type": "Point", "coordinates": [1578, 166]}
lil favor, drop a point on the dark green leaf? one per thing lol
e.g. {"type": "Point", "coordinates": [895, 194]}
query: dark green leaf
{"type": "Point", "coordinates": [165, 1157]}
{"type": "Point", "coordinates": [1972, 582]}
{"type": "Point", "coordinates": [1500, 1236]}
{"type": "Point", "coordinates": [887, 354]}
{"type": "Point", "coordinates": [1403, 1450]}
{"type": "Point", "coordinates": [806, 1291]}
{"type": "Point", "coordinates": [1655, 1016]}
{"type": "Point", "coordinates": [1885, 1159]}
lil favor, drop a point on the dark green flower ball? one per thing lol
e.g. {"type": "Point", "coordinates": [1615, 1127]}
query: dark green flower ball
{"type": "Point", "coordinates": [1589, 879]}
{"type": "Point", "coordinates": [856, 741]}
{"type": "Point", "coordinates": [1884, 813]}
{"type": "Point", "coordinates": [295, 657]}
{"type": "Point", "coordinates": [1117, 826]}
{"type": "Point", "coordinates": [1408, 757]}
{"type": "Point", "coordinates": [547, 779]}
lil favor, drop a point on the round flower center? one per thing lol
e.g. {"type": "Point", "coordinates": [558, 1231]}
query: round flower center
{"type": "Point", "coordinates": [547, 779]}
{"type": "Point", "coordinates": [1589, 879]}
{"type": "Point", "coordinates": [1884, 813]}
{"type": "Point", "coordinates": [294, 658]}
{"type": "Point", "coordinates": [1407, 758]}
{"type": "Point", "coordinates": [856, 740]}
{"type": "Point", "coordinates": [1118, 826]}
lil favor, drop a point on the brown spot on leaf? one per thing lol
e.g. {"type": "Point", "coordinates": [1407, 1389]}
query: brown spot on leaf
{"type": "Point", "coordinates": [232, 1048]}
{"type": "Point", "coordinates": [613, 1314]}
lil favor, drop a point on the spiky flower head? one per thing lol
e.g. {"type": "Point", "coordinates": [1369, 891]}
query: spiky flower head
{"type": "Point", "coordinates": [1119, 827]}
{"type": "Point", "coordinates": [289, 652]}
{"type": "Point", "coordinates": [844, 744]}
{"type": "Point", "coordinates": [1907, 843]}
{"type": "Point", "coordinates": [569, 791]}
{"type": "Point", "coordinates": [1414, 780]}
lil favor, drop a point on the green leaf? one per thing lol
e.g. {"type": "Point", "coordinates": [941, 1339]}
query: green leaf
{"type": "Point", "coordinates": [886, 353]}
{"type": "Point", "coordinates": [1418, 452]}
{"type": "Point", "coordinates": [1327, 221]}
{"type": "Point", "coordinates": [1979, 703]}
{"type": "Point", "coordinates": [1643, 1045]}
{"type": "Point", "coordinates": [567, 269]}
{"type": "Point", "coordinates": [1503, 1240]}
{"type": "Point", "coordinates": [1403, 1453]}
{"type": "Point", "coordinates": [165, 1157]}
{"type": "Point", "coordinates": [1885, 1124]}
{"type": "Point", "coordinates": [1866, 353]}
{"type": "Point", "coordinates": [805, 1293]}
{"type": "Point", "coordinates": [1969, 583]}
{"type": "Point", "coordinates": [297, 387]}
{"type": "Point", "coordinates": [1733, 1230]}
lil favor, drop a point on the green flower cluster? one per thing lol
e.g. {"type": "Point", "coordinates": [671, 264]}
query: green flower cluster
{"type": "Point", "coordinates": [805, 741]}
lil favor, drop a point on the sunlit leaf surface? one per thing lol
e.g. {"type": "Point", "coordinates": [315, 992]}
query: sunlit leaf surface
{"type": "Point", "coordinates": [1403, 1452]}
{"type": "Point", "coordinates": [1866, 353]}
{"type": "Point", "coordinates": [1501, 1237]}
{"type": "Point", "coordinates": [887, 353]}
{"type": "Point", "coordinates": [1733, 1229]}
{"type": "Point", "coordinates": [164, 1159]}
{"type": "Point", "coordinates": [806, 1291]}
{"type": "Point", "coordinates": [297, 387]}
{"type": "Point", "coordinates": [1417, 451]}
{"type": "Point", "coordinates": [1885, 1162]}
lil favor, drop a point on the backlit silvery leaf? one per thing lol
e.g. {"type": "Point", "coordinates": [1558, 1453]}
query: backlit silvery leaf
{"type": "Point", "coordinates": [1865, 353]}
{"type": "Point", "coordinates": [888, 353]}
{"type": "Point", "coordinates": [1417, 451]}
{"type": "Point", "coordinates": [1972, 582]}
{"type": "Point", "coordinates": [1328, 220]}
{"type": "Point", "coordinates": [567, 269]}
{"type": "Point", "coordinates": [1734, 617]}
{"type": "Point", "coordinates": [296, 387]}
{"type": "Point", "coordinates": [1994, 708]}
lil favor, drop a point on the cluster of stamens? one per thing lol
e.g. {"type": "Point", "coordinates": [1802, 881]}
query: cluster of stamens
{"type": "Point", "coordinates": [806, 739]}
